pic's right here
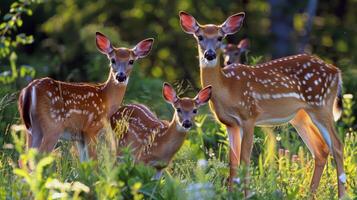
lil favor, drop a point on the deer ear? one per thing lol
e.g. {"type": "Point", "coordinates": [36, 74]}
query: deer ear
{"type": "Point", "coordinates": [188, 23]}
{"type": "Point", "coordinates": [103, 43]}
{"type": "Point", "coordinates": [143, 48]}
{"type": "Point", "coordinates": [243, 45]}
{"type": "Point", "coordinates": [233, 23]}
{"type": "Point", "coordinates": [204, 95]}
{"type": "Point", "coordinates": [169, 93]}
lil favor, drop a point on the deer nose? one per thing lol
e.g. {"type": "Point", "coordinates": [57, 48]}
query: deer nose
{"type": "Point", "coordinates": [187, 124]}
{"type": "Point", "coordinates": [210, 55]}
{"type": "Point", "coordinates": [121, 77]}
{"type": "Point", "coordinates": [228, 63]}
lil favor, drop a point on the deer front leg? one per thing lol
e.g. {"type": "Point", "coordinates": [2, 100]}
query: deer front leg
{"type": "Point", "coordinates": [82, 150]}
{"type": "Point", "coordinates": [247, 145]}
{"type": "Point", "coordinates": [88, 146]}
{"type": "Point", "coordinates": [234, 155]}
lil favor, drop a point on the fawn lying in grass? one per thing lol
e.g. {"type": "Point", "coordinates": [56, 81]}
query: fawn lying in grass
{"type": "Point", "coordinates": [156, 141]}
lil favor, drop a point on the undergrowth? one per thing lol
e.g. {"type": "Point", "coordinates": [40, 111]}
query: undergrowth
{"type": "Point", "coordinates": [281, 168]}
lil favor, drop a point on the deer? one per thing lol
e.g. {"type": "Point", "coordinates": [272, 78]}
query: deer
{"type": "Point", "coordinates": [233, 53]}
{"type": "Point", "coordinates": [153, 141]}
{"type": "Point", "coordinates": [302, 90]}
{"type": "Point", "coordinates": [53, 110]}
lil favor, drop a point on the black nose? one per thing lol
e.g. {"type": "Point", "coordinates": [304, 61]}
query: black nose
{"type": "Point", "coordinates": [121, 77]}
{"type": "Point", "coordinates": [186, 124]}
{"type": "Point", "coordinates": [210, 55]}
{"type": "Point", "coordinates": [228, 63]}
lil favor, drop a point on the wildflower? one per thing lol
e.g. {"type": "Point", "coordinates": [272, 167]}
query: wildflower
{"type": "Point", "coordinates": [348, 96]}
{"type": "Point", "coordinates": [287, 152]}
{"type": "Point", "coordinates": [294, 158]}
{"type": "Point", "coordinates": [200, 191]}
{"type": "Point", "coordinates": [236, 180]}
{"type": "Point", "coordinates": [202, 163]}
{"type": "Point", "coordinates": [281, 153]}
{"type": "Point", "coordinates": [78, 186]}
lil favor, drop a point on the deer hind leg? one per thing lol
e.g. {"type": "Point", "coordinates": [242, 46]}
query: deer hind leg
{"type": "Point", "coordinates": [234, 152]}
{"type": "Point", "coordinates": [50, 139]}
{"type": "Point", "coordinates": [35, 135]}
{"type": "Point", "coordinates": [82, 150]}
{"type": "Point", "coordinates": [324, 122]}
{"type": "Point", "coordinates": [28, 139]}
{"type": "Point", "coordinates": [315, 143]}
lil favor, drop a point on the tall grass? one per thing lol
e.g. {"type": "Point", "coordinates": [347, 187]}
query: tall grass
{"type": "Point", "coordinates": [281, 168]}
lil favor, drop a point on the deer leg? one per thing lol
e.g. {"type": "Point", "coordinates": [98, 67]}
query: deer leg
{"type": "Point", "coordinates": [246, 150]}
{"type": "Point", "coordinates": [28, 139]}
{"type": "Point", "coordinates": [48, 142]}
{"type": "Point", "coordinates": [90, 145]}
{"type": "Point", "coordinates": [324, 122]}
{"type": "Point", "coordinates": [82, 150]}
{"type": "Point", "coordinates": [36, 135]}
{"type": "Point", "coordinates": [234, 154]}
{"type": "Point", "coordinates": [158, 174]}
{"type": "Point", "coordinates": [315, 143]}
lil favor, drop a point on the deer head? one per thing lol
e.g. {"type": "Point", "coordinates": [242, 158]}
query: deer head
{"type": "Point", "coordinates": [185, 108]}
{"type": "Point", "coordinates": [209, 37]}
{"type": "Point", "coordinates": [122, 59]}
{"type": "Point", "coordinates": [233, 53]}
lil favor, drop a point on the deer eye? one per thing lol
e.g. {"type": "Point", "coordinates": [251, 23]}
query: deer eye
{"type": "Point", "coordinates": [178, 110]}
{"type": "Point", "coordinates": [200, 38]}
{"type": "Point", "coordinates": [131, 62]}
{"type": "Point", "coordinates": [194, 111]}
{"type": "Point", "coordinates": [219, 38]}
{"type": "Point", "coordinates": [112, 61]}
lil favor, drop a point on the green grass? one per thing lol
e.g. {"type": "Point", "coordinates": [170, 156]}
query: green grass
{"type": "Point", "coordinates": [281, 168]}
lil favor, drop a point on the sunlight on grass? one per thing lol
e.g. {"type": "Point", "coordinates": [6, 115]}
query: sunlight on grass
{"type": "Point", "coordinates": [199, 170]}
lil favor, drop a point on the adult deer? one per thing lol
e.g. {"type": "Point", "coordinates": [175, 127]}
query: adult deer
{"type": "Point", "coordinates": [300, 89]}
{"type": "Point", "coordinates": [154, 141]}
{"type": "Point", "coordinates": [233, 53]}
{"type": "Point", "coordinates": [52, 109]}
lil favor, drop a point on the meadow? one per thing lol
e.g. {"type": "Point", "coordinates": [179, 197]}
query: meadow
{"type": "Point", "coordinates": [281, 168]}
{"type": "Point", "coordinates": [39, 38]}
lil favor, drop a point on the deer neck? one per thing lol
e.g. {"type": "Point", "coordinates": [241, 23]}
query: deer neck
{"type": "Point", "coordinates": [210, 74]}
{"type": "Point", "coordinates": [173, 138]}
{"type": "Point", "coordinates": [113, 93]}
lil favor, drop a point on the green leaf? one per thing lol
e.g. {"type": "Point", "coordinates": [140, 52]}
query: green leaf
{"type": "Point", "coordinates": [2, 25]}
{"type": "Point", "coordinates": [22, 173]}
{"type": "Point", "coordinates": [29, 12]}
{"type": "Point", "coordinates": [7, 16]}
{"type": "Point", "coordinates": [19, 22]}
{"type": "Point", "coordinates": [11, 23]}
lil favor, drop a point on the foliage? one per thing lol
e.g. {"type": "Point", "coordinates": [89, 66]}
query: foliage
{"type": "Point", "coordinates": [276, 174]}
{"type": "Point", "coordinates": [64, 49]}
{"type": "Point", "coordinates": [12, 21]}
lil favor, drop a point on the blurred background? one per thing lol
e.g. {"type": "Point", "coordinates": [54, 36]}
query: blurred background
{"type": "Point", "coordinates": [56, 38]}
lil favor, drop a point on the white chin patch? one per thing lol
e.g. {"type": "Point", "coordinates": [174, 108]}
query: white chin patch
{"type": "Point", "coordinates": [126, 81]}
{"type": "Point", "coordinates": [208, 63]}
{"type": "Point", "coordinates": [180, 128]}
{"type": "Point", "coordinates": [121, 83]}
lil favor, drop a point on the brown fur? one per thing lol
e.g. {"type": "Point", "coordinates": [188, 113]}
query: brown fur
{"type": "Point", "coordinates": [300, 89]}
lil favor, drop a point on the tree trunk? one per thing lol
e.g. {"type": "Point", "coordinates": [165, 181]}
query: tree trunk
{"type": "Point", "coordinates": [282, 29]}
{"type": "Point", "coordinates": [310, 12]}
